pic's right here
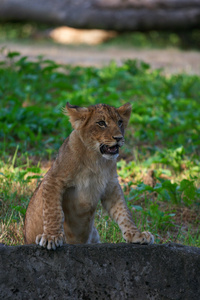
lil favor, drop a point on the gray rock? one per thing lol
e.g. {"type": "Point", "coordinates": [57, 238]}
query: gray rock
{"type": "Point", "coordinates": [105, 271]}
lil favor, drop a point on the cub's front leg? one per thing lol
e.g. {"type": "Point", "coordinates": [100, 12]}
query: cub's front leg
{"type": "Point", "coordinates": [53, 217]}
{"type": "Point", "coordinates": [113, 201]}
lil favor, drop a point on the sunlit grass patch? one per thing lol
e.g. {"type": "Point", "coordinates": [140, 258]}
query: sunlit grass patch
{"type": "Point", "coordinates": [11, 231]}
{"type": "Point", "coordinates": [17, 183]}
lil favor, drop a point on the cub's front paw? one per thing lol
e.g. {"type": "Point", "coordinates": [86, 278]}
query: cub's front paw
{"type": "Point", "coordinates": [139, 237]}
{"type": "Point", "coordinates": [50, 241]}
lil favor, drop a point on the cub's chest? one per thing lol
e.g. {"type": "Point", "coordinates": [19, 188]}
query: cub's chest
{"type": "Point", "coordinates": [85, 192]}
{"type": "Point", "coordinates": [92, 182]}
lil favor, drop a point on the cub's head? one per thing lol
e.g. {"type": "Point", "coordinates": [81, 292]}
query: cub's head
{"type": "Point", "coordinates": [101, 127]}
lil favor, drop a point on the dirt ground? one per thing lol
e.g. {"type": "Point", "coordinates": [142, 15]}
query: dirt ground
{"type": "Point", "coordinates": [171, 60]}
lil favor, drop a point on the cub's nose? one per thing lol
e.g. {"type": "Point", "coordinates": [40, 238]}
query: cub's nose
{"type": "Point", "coordinates": [118, 138]}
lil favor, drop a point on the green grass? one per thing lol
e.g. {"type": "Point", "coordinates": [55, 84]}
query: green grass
{"type": "Point", "coordinates": [163, 135]}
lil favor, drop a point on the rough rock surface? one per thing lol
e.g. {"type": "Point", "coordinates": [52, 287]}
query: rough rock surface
{"type": "Point", "coordinates": [105, 271]}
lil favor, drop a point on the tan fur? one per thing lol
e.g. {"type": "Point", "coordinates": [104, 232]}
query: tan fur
{"type": "Point", "coordinates": [63, 206]}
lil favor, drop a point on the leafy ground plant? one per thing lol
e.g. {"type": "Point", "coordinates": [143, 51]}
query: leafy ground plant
{"type": "Point", "coordinates": [163, 135]}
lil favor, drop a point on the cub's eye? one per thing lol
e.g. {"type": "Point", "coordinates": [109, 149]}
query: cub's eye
{"type": "Point", "coordinates": [120, 122]}
{"type": "Point", "coordinates": [102, 124]}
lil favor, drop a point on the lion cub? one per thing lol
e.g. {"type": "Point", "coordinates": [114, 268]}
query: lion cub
{"type": "Point", "coordinates": [63, 206]}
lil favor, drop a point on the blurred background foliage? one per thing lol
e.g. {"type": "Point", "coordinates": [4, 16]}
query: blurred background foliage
{"type": "Point", "coordinates": [186, 39]}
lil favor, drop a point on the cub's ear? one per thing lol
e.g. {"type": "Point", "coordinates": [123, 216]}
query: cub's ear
{"type": "Point", "coordinates": [77, 114]}
{"type": "Point", "coordinates": [125, 112]}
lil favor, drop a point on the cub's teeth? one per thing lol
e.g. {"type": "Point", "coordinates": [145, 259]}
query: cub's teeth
{"type": "Point", "coordinates": [112, 149]}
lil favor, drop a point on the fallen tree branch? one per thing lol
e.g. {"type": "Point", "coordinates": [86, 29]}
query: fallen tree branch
{"type": "Point", "coordinates": [167, 4]}
{"type": "Point", "coordinates": [102, 14]}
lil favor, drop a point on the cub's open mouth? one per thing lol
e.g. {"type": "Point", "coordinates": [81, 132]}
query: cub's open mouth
{"type": "Point", "coordinates": [109, 150]}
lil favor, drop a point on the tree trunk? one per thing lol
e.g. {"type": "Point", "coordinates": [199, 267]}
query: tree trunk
{"type": "Point", "coordinates": [120, 15]}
